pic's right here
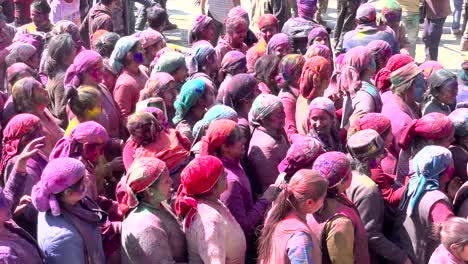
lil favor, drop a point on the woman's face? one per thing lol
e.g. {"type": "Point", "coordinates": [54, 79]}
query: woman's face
{"type": "Point", "coordinates": [419, 88]}
{"type": "Point", "coordinates": [221, 185]}
{"type": "Point", "coordinates": [208, 33]}
{"type": "Point", "coordinates": [108, 79]}
{"type": "Point", "coordinates": [208, 99]}
{"type": "Point", "coordinates": [93, 114]}
{"type": "Point", "coordinates": [92, 152]}
{"type": "Point", "coordinates": [239, 34]}
{"type": "Point", "coordinates": [237, 149]}
{"type": "Point", "coordinates": [282, 50]}
{"type": "Point", "coordinates": [321, 39]}
{"type": "Point", "coordinates": [446, 177]}
{"type": "Point", "coordinates": [275, 120]}
{"type": "Point", "coordinates": [181, 74]}
{"type": "Point", "coordinates": [448, 92]}
{"type": "Point", "coordinates": [169, 96]}
{"type": "Point", "coordinates": [321, 122]}
{"type": "Point", "coordinates": [151, 51]}
{"type": "Point", "coordinates": [75, 193]}
{"type": "Point", "coordinates": [137, 55]}
{"type": "Point", "coordinates": [313, 206]}
{"type": "Point", "coordinates": [39, 19]}
{"type": "Point", "coordinates": [463, 253]}
{"type": "Point", "coordinates": [94, 75]}
{"type": "Point", "coordinates": [164, 187]}
{"type": "Point", "coordinates": [33, 62]}
{"type": "Point", "coordinates": [267, 32]}
{"type": "Point", "coordinates": [41, 97]}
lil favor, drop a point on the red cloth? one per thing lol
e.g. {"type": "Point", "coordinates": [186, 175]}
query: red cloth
{"type": "Point", "coordinates": [382, 78]}
{"type": "Point", "coordinates": [433, 126]}
{"type": "Point", "coordinates": [315, 70]}
{"type": "Point", "coordinates": [218, 132]}
{"type": "Point", "coordinates": [385, 182]}
{"type": "Point", "coordinates": [376, 121]}
{"type": "Point", "coordinates": [267, 20]}
{"type": "Point", "coordinates": [199, 177]}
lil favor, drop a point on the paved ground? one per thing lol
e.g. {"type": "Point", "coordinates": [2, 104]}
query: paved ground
{"type": "Point", "coordinates": [183, 12]}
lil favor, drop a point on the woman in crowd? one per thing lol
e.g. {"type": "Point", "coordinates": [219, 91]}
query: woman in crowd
{"type": "Point", "coordinates": [126, 60]}
{"type": "Point", "coordinates": [203, 28]}
{"type": "Point", "coordinates": [318, 35]}
{"type": "Point", "coordinates": [367, 150]}
{"type": "Point", "coordinates": [286, 237]}
{"type": "Point", "coordinates": [265, 71]}
{"type": "Point", "coordinates": [382, 52]}
{"type": "Point", "coordinates": [233, 63]}
{"type": "Point", "coordinates": [105, 44]}
{"type": "Point", "coordinates": [236, 31]}
{"type": "Point", "coordinates": [425, 201]}
{"type": "Point", "coordinates": [69, 221]}
{"type": "Point", "coordinates": [151, 42]}
{"type": "Point", "coordinates": [268, 144]}
{"type": "Point", "coordinates": [61, 53]}
{"type": "Point", "coordinates": [268, 26]}
{"type": "Point", "coordinates": [85, 104]}
{"type": "Point", "coordinates": [289, 71]}
{"type": "Point", "coordinates": [22, 52]}
{"type": "Point", "coordinates": [443, 89]}
{"type": "Point", "coordinates": [452, 249]}
{"type": "Point", "coordinates": [150, 231]}
{"type": "Point", "coordinates": [213, 234]}
{"type": "Point", "coordinates": [29, 96]}
{"type": "Point", "coordinates": [202, 63]}
{"type": "Point", "coordinates": [459, 146]}
{"type": "Point", "coordinates": [319, 50]}
{"type": "Point", "coordinates": [431, 129]}
{"type": "Point", "coordinates": [315, 78]}
{"type": "Point", "coordinates": [194, 99]}
{"type": "Point", "coordinates": [224, 140]}
{"type": "Point", "coordinates": [239, 94]}
{"type": "Point", "coordinates": [399, 104]}
{"type": "Point", "coordinates": [342, 235]}
{"type": "Point", "coordinates": [162, 85]}
{"type": "Point", "coordinates": [382, 77]}
{"type": "Point", "coordinates": [172, 62]}
{"type": "Point", "coordinates": [279, 45]}
{"type": "Point", "coordinates": [360, 95]}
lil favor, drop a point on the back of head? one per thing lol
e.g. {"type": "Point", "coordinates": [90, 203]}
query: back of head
{"type": "Point", "coordinates": [366, 13]}
{"type": "Point", "coordinates": [59, 47]}
{"type": "Point", "coordinates": [82, 100]}
{"type": "Point", "coordinates": [454, 232]}
{"type": "Point", "coordinates": [106, 43]}
{"type": "Point", "coordinates": [41, 6]}
{"type": "Point", "coordinates": [142, 127]}
{"type": "Point", "coordinates": [157, 17]}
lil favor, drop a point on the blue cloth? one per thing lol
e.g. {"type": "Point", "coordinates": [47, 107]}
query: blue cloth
{"type": "Point", "coordinates": [214, 113]}
{"type": "Point", "coordinates": [122, 47]}
{"type": "Point", "coordinates": [189, 95]}
{"type": "Point", "coordinates": [299, 249]}
{"type": "Point", "coordinates": [60, 240]}
{"type": "Point", "coordinates": [365, 33]}
{"type": "Point", "coordinates": [199, 56]}
{"type": "Point", "coordinates": [428, 164]}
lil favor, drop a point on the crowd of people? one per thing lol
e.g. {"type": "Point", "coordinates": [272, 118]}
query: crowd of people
{"type": "Point", "coordinates": [270, 141]}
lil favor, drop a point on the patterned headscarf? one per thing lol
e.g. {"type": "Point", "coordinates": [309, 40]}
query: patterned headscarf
{"type": "Point", "coordinates": [96, 36]}
{"type": "Point", "coordinates": [301, 155]}
{"type": "Point", "coordinates": [392, 11]}
{"type": "Point", "coordinates": [382, 78]}
{"type": "Point", "coordinates": [169, 62]}
{"type": "Point", "coordinates": [262, 106]}
{"type": "Point", "coordinates": [459, 118]}
{"type": "Point", "coordinates": [214, 113]}
{"type": "Point", "coordinates": [366, 13]}
{"type": "Point", "coordinates": [355, 62]}
{"type": "Point", "coordinates": [18, 127]}
{"type": "Point", "coordinates": [324, 104]}
{"type": "Point", "coordinates": [232, 61]}
{"type": "Point", "coordinates": [267, 20]}
{"type": "Point", "coordinates": [404, 74]}
{"type": "Point", "coordinates": [319, 50]}
{"type": "Point", "coordinates": [189, 95]}
{"type": "Point", "coordinates": [307, 8]}
{"type": "Point", "coordinates": [430, 67]}
{"type": "Point", "coordinates": [201, 23]}
{"type": "Point", "coordinates": [33, 39]}
{"type": "Point", "coordinates": [315, 71]}
{"type": "Point", "coordinates": [149, 37]}
{"type": "Point", "coordinates": [84, 133]}
{"type": "Point", "coordinates": [140, 176]}
{"type": "Point", "coordinates": [333, 166]}
{"type": "Point", "coordinates": [428, 164]}
{"type": "Point", "coordinates": [433, 126]}
{"type": "Point", "coordinates": [16, 70]}
{"type": "Point", "coordinates": [198, 177]}
{"type": "Point", "coordinates": [376, 121]}
{"type": "Point", "coordinates": [200, 55]}
{"type": "Point", "coordinates": [277, 40]}
{"type": "Point", "coordinates": [58, 175]}
{"type": "Point", "coordinates": [82, 63]}
{"type": "Point", "coordinates": [156, 85]}
{"type": "Point", "coordinates": [19, 52]}
{"type": "Point", "coordinates": [316, 32]}
{"type": "Point", "coordinates": [239, 87]}
{"type": "Point", "coordinates": [290, 68]}
{"type": "Point", "coordinates": [381, 49]}
{"type": "Point", "coordinates": [123, 46]}
{"type": "Point", "coordinates": [216, 134]}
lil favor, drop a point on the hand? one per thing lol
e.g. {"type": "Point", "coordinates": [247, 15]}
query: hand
{"type": "Point", "coordinates": [355, 116]}
{"type": "Point", "coordinates": [117, 164]}
{"type": "Point", "coordinates": [31, 149]}
{"type": "Point", "coordinates": [270, 193]}
{"type": "Point", "coordinates": [23, 203]}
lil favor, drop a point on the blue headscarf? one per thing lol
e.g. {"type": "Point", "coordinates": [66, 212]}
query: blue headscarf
{"type": "Point", "coordinates": [199, 56]}
{"type": "Point", "coordinates": [189, 95]}
{"type": "Point", "coordinates": [122, 47]}
{"type": "Point", "coordinates": [428, 164]}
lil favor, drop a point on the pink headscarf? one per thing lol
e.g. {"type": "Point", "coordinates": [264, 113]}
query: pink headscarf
{"type": "Point", "coordinates": [58, 175]}
{"type": "Point", "coordinates": [82, 63]}
{"type": "Point", "coordinates": [149, 37]}
{"type": "Point", "coordinates": [355, 61]}
{"type": "Point", "coordinates": [88, 132]}
{"type": "Point", "coordinates": [429, 67]}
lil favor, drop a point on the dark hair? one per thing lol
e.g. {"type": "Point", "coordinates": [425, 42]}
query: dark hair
{"type": "Point", "coordinates": [82, 99]}
{"type": "Point", "coordinates": [265, 67]}
{"type": "Point", "coordinates": [41, 6]}
{"type": "Point", "coordinates": [235, 136]}
{"type": "Point", "coordinates": [106, 44]}
{"type": "Point", "coordinates": [59, 47]}
{"type": "Point", "coordinates": [106, 2]}
{"type": "Point", "coordinates": [157, 16]}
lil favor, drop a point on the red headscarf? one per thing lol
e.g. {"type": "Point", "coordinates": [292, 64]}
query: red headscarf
{"type": "Point", "coordinates": [382, 78]}
{"type": "Point", "coordinates": [314, 71]}
{"type": "Point", "coordinates": [218, 132]}
{"type": "Point", "coordinates": [19, 126]}
{"type": "Point", "coordinates": [375, 121]}
{"type": "Point", "coordinates": [199, 177]}
{"type": "Point", "coordinates": [433, 126]}
{"type": "Point", "coordinates": [267, 20]}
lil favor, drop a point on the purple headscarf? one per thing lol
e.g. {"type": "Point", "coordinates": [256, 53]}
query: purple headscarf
{"type": "Point", "coordinates": [58, 175]}
{"type": "Point", "coordinates": [307, 8]}
{"type": "Point", "coordinates": [355, 61]}
{"type": "Point", "coordinates": [366, 13]}
{"type": "Point", "coordinates": [381, 49]}
{"type": "Point", "coordinates": [82, 63]}
{"type": "Point", "coordinates": [276, 40]}
{"type": "Point", "coordinates": [201, 23]}
{"type": "Point", "coordinates": [301, 154]}
{"type": "Point", "coordinates": [316, 32]}
{"type": "Point", "coordinates": [149, 37]}
{"type": "Point", "coordinates": [88, 132]}
{"type": "Point", "coordinates": [333, 166]}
